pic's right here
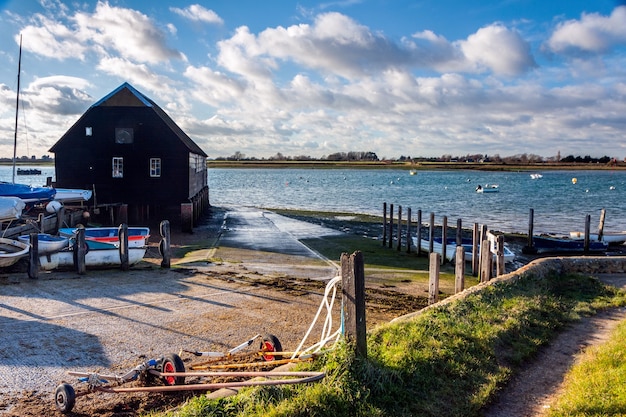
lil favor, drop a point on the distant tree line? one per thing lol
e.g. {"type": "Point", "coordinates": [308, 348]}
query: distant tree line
{"type": "Point", "coordinates": [518, 159]}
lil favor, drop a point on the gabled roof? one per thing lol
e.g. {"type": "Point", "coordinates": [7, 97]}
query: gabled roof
{"type": "Point", "coordinates": [127, 96]}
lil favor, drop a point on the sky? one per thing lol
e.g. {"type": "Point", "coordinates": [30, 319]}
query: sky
{"type": "Point", "coordinates": [412, 78]}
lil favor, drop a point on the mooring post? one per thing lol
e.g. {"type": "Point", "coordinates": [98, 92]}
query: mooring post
{"type": "Point", "coordinates": [80, 250]}
{"type": "Point", "coordinates": [459, 232]}
{"type": "Point", "coordinates": [353, 295]}
{"type": "Point", "coordinates": [444, 239]}
{"type": "Point", "coordinates": [434, 266]}
{"type": "Point", "coordinates": [33, 257]}
{"type": "Point", "coordinates": [475, 246]}
{"type": "Point", "coordinates": [384, 224]}
{"type": "Point", "coordinates": [418, 232]}
{"type": "Point", "coordinates": [587, 228]}
{"type": "Point", "coordinates": [500, 256]}
{"type": "Point", "coordinates": [390, 225]}
{"type": "Point", "coordinates": [122, 233]}
{"type": "Point", "coordinates": [601, 224]}
{"type": "Point", "coordinates": [529, 248]}
{"type": "Point", "coordinates": [459, 269]}
{"type": "Point", "coordinates": [60, 218]}
{"type": "Point", "coordinates": [431, 233]}
{"type": "Point", "coordinates": [408, 230]}
{"type": "Point", "coordinates": [485, 261]}
{"type": "Point", "coordinates": [164, 245]}
{"type": "Point", "coordinates": [399, 243]}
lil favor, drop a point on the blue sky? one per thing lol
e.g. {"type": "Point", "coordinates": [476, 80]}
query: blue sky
{"type": "Point", "coordinates": [395, 77]}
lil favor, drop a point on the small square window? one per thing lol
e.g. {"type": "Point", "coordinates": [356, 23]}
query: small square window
{"type": "Point", "coordinates": [88, 131]}
{"type": "Point", "coordinates": [124, 135]}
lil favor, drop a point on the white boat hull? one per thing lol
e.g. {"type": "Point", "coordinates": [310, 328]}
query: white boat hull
{"type": "Point", "coordinates": [509, 256]}
{"type": "Point", "coordinates": [47, 243]}
{"type": "Point", "coordinates": [612, 238]}
{"type": "Point", "coordinates": [98, 258]}
{"type": "Point", "coordinates": [12, 251]}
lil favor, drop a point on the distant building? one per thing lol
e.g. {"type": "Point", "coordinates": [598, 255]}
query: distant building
{"type": "Point", "coordinates": [136, 160]}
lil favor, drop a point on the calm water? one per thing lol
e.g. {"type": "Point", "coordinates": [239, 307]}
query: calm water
{"type": "Point", "coordinates": [559, 205]}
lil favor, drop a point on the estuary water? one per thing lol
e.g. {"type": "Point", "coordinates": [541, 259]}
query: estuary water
{"type": "Point", "coordinates": [560, 199]}
{"type": "Point", "coordinates": [559, 204]}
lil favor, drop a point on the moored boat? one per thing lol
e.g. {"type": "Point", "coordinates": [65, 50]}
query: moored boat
{"type": "Point", "coordinates": [99, 255]}
{"type": "Point", "coordinates": [612, 238]}
{"type": "Point", "coordinates": [493, 188]}
{"type": "Point", "coordinates": [11, 208]}
{"type": "Point", "coordinates": [12, 251]}
{"type": "Point", "coordinates": [451, 246]}
{"type": "Point", "coordinates": [26, 193]}
{"type": "Point", "coordinates": [137, 235]}
{"type": "Point", "coordinates": [70, 195]}
{"type": "Point", "coordinates": [561, 244]}
{"type": "Point", "coordinates": [47, 243]}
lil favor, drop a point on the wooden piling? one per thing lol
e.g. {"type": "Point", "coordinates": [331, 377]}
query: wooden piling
{"type": "Point", "coordinates": [80, 250]}
{"type": "Point", "coordinates": [353, 295]}
{"type": "Point", "coordinates": [399, 235]}
{"type": "Point", "coordinates": [33, 257]}
{"type": "Point", "coordinates": [601, 225]}
{"type": "Point", "coordinates": [431, 233]}
{"type": "Point", "coordinates": [384, 224]}
{"type": "Point", "coordinates": [186, 217]}
{"type": "Point", "coordinates": [485, 261]}
{"type": "Point", "coordinates": [500, 256]}
{"type": "Point", "coordinates": [390, 244]}
{"type": "Point", "coordinates": [459, 269]}
{"type": "Point", "coordinates": [434, 262]}
{"type": "Point", "coordinates": [444, 239]}
{"type": "Point", "coordinates": [475, 245]}
{"type": "Point", "coordinates": [459, 232]}
{"type": "Point", "coordinates": [418, 232]}
{"type": "Point", "coordinates": [122, 233]}
{"type": "Point", "coordinates": [164, 245]}
{"type": "Point", "coordinates": [587, 228]}
{"type": "Point", "coordinates": [408, 231]}
{"type": "Point", "coordinates": [530, 248]}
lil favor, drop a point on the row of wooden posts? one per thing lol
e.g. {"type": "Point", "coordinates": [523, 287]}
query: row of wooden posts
{"type": "Point", "coordinates": [480, 237]}
{"type": "Point", "coordinates": [80, 249]}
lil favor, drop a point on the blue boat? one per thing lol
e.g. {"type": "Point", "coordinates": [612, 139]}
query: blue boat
{"type": "Point", "coordinates": [27, 193]}
{"type": "Point", "coordinates": [556, 244]}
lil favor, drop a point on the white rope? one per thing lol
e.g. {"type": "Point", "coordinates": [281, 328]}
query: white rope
{"type": "Point", "coordinates": [327, 334]}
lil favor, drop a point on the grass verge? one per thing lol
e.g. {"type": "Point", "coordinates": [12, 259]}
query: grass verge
{"type": "Point", "coordinates": [596, 385]}
{"type": "Point", "coordinates": [450, 360]}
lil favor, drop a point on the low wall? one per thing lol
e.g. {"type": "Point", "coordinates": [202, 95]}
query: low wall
{"type": "Point", "coordinates": [540, 268]}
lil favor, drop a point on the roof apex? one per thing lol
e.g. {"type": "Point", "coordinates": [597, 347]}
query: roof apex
{"type": "Point", "coordinates": [136, 98]}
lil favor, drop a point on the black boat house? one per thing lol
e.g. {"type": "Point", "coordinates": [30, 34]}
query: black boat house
{"type": "Point", "coordinates": [139, 164]}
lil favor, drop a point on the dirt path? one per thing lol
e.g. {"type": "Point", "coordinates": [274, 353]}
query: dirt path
{"type": "Point", "coordinates": [531, 393]}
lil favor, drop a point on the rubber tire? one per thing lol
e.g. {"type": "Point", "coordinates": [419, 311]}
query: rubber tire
{"type": "Point", "coordinates": [65, 398]}
{"type": "Point", "coordinates": [172, 363]}
{"type": "Point", "coordinates": [271, 344]}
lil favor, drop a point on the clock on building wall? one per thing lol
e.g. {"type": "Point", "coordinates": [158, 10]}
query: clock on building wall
{"type": "Point", "coordinates": [124, 135]}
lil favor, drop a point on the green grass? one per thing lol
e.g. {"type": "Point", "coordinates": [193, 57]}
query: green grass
{"type": "Point", "coordinates": [596, 385]}
{"type": "Point", "coordinates": [449, 361]}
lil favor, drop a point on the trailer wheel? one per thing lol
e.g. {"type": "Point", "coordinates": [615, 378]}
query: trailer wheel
{"type": "Point", "coordinates": [269, 344]}
{"type": "Point", "coordinates": [65, 398]}
{"type": "Point", "coordinates": [172, 363]}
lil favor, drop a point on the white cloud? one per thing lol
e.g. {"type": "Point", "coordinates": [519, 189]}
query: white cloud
{"type": "Point", "coordinates": [593, 33]}
{"type": "Point", "coordinates": [197, 13]}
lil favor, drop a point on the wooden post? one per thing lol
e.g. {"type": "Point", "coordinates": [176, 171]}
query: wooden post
{"type": "Point", "coordinates": [601, 225]}
{"type": "Point", "coordinates": [33, 257]}
{"type": "Point", "coordinates": [418, 232]}
{"type": "Point", "coordinates": [529, 248]}
{"type": "Point", "coordinates": [384, 224]}
{"type": "Point", "coordinates": [186, 216]}
{"type": "Point", "coordinates": [164, 245]}
{"type": "Point", "coordinates": [390, 225]}
{"type": "Point", "coordinates": [475, 243]}
{"type": "Point", "coordinates": [587, 227]}
{"type": "Point", "coordinates": [408, 231]}
{"type": "Point", "coordinates": [399, 243]}
{"type": "Point", "coordinates": [122, 233]}
{"type": "Point", "coordinates": [459, 269]}
{"type": "Point", "coordinates": [485, 261]}
{"type": "Point", "coordinates": [80, 250]}
{"type": "Point", "coordinates": [431, 232]}
{"type": "Point", "coordinates": [444, 240]}
{"type": "Point", "coordinates": [353, 294]}
{"type": "Point", "coordinates": [459, 232]}
{"type": "Point", "coordinates": [433, 281]}
{"type": "Point", "coordinates": [500, 256]}
{"type": "Point", "coordinates": [60, 218]}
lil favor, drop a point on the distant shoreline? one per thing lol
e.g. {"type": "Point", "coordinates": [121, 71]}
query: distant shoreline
{"type": "Point", "coordinates": [421, 166]}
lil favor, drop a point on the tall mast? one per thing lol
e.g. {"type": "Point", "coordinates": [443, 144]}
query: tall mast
{"type": "Point", "coordinates": [17, 106]}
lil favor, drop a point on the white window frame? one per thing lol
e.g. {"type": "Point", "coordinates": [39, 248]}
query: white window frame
{"type": "Point", "coordinates": [155, 167]}
{"type": "Point", "coordinates": [117, 167]}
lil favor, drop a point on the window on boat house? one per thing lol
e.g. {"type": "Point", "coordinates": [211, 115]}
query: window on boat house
{"type": "Point", "coordinates": [155, 167]}
{"type": "Point", "coordinates": [118, 167]}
